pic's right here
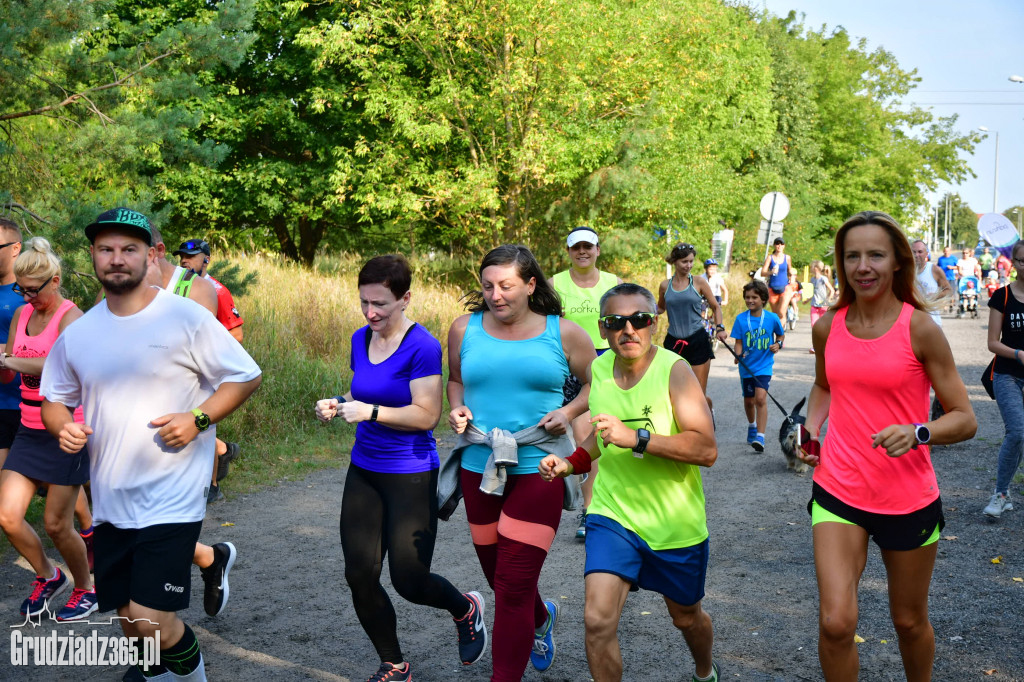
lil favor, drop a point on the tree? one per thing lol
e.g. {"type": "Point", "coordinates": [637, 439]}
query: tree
{"type": "Point", "coordinates": [292, 132]}
{"type": "Point", "coordinates": [963, 221]}
{"type": "Point", "coordinates": [507, 123]}
{"type": "Point", "coordinates": [94, 100]}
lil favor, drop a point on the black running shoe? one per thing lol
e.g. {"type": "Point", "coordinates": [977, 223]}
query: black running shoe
{"type": "Point", "coordinates": [472, 630]}
{"type": "Point", "coordinates": [224, 461]}
{"type": "Point", "coordinates": [215, 596]}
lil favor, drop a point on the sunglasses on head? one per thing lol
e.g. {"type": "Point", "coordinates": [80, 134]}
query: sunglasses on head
{"type": "Point", "coordinates": [195, 245]}
{"type": "Point", "coordinates": [31, 293]}
{"type": "Point", "coordinates": [614, 323]}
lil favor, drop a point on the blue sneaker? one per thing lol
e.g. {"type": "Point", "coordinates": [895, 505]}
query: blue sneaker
{"type": "Point", "coordinates": [472, 630]}
{"type": "Point", "coordinates": [543, 654]}
{"type": "Point", "coordinates": [79, 606]}
{"type": "Point", "coordinates": [751, 434]}
{"type": "Point", "coordinates": [758, 443]}
{"type": "Point", "coordinates": [42, 592]}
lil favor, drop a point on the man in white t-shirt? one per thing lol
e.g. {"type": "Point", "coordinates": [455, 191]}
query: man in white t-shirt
{"type": "Point", "coordinates": [154, 372]}
{"type": "Point", "coordinates": [968, 266]}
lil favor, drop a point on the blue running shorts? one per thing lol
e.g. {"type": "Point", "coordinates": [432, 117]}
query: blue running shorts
{"type": "Point", "coordinates": [676, 573]}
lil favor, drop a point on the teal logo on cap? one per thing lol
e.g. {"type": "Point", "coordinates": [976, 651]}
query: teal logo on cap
{"type": "Point", "coordinates": [127, 216]}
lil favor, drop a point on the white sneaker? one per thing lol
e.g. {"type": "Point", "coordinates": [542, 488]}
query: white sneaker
{"type": "Point", "coordinates": [997, 505]}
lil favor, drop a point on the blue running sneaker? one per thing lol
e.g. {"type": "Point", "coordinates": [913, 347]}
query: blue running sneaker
{"type": "Point", "coordinates": [751, 434]}
{"type": "Point", "coordinates": [581, 530]}
{"type": "Point", "coordinates": [389, 672]}
{"type": "Point", "coordinates": [543, 654]}
{"type": "Point", "coordinates": [758, 443]}
{"type": "Point", "coordinates": [472, 630]}
{"type": "Point", "coordinates": [79, 606]}
{"type": "Point", "coordinates": [42, 592]}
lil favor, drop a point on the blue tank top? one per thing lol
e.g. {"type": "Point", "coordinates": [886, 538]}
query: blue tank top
{"type": "Point", "coordinates": [684, 310]}
{"type": "Point", "coordinates": [781, 280]}
{"type": "Point", "coordinates": [511, 385]}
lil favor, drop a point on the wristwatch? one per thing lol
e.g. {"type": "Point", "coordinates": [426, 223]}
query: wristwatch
{"type": "Point", "coordinates": [719, 327]}
{"type": "Point", "coordinates": [643, 437]}
{"type": "Point", "coordinates": [202, 419]}
{"type": "Point", "coordinates": [922, 434]}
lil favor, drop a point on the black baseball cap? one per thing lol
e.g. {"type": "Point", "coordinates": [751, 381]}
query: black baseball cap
{"type": "Point", "coordinates": [779, 240]}
{"type": "Point", "coordinates": [192, 247]}
{"type": "Point", "coordinates": [122, 218]}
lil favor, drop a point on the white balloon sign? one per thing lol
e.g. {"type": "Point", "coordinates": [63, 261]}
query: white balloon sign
{"type": "Point", "coordinates": [998, 230]}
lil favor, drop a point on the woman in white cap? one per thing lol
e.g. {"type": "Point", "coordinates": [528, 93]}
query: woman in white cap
{"type": "Point", "coordinates": [580, 288]}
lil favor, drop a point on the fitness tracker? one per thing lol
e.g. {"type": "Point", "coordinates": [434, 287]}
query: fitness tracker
{"type": "Point", "coordinates": [922, 434]}
{"type": "Point", "coordinates": [202, 419]}
{"type": "Point", "coordinates": [643, 437]}
{"type": "Point", "coordinates": [373, 416]}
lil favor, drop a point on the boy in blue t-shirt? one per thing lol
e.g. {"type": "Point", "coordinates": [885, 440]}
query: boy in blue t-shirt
{"type": "Point", "coordinates": [759, 334]}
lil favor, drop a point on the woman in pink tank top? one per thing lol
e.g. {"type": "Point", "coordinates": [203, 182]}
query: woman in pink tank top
{"type": "Point", "coordinates": [877, 354]}
{"type": "Point", "coordinates": [35, 458]}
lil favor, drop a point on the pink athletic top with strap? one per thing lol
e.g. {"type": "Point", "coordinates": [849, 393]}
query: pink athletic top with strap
{"type": "Point", "coordinates": [875, 383]}
{"type": "Point", "coordinates": [38, 346]}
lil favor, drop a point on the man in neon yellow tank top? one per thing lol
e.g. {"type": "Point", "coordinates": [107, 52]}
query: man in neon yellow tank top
{"type": "Point", "coordinates": [580, 288]}
{"type": "Point", "coordinates": [646, 526]}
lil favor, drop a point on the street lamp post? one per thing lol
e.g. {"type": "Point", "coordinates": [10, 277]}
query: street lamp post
{"type": "Point", "coordinates": [995, 181]}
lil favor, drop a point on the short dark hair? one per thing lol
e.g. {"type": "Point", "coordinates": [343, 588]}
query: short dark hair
{"type": "Point", "coordinates": [544, 301]}
{"type": "Point", "coordinates": [392, 271]}
{"type": "Point", "coordinates": [11, 226]}
{"type": "Point", "coordinates": [757, 286]}
{"type": "Point", "coordinates": [630, 289]}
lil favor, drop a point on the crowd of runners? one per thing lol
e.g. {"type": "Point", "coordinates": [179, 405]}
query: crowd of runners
{"type": "Point", "coordinates": [547, 377]}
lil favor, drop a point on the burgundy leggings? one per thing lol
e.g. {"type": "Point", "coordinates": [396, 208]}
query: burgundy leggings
{"type": "Point", "coordinates": [512, 534]}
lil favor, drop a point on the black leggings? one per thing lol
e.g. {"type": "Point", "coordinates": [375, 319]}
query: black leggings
{"type": "Point", "coordinates": [393, 514]}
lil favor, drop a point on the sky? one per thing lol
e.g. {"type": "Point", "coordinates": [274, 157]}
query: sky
{"type": "Point", "coordinates": [964, 53]}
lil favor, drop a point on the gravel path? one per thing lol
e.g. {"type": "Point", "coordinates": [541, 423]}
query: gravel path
{"type": "Point", "coordinates": [290, 615]}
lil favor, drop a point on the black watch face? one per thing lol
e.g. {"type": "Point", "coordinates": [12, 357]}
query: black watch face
{"type": "Point", "coordinates": [202, 422]}
{"type": "Point", "coordinates": [923, 435]}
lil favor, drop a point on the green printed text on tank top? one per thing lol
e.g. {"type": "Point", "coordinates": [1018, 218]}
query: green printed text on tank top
{"type": "Point", "coordinates": [184, 285]}
{"type": "Point", "coordinates": [583, 305]}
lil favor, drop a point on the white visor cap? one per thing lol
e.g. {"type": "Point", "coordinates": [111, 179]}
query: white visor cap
{"type": "Point", "coordinates": [581, 234]}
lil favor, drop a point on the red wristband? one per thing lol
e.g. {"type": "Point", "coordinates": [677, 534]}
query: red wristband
{"type": "Point", "coordinates": [580, 461]}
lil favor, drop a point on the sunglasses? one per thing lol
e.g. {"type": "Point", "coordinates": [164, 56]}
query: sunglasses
{"type": "Point", "coordinates": [614, 323]}
{"type": "Point", "coordinates": [31, 293]}
{"type": "Point", "coordinates": [4, 246]}
{"type": "Point", "coordinates": [194, 246]}
{"type": "Point", "coordinates": [807, 443]}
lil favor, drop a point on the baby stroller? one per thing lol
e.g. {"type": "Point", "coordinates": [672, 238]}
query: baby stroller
{"type": "Point", "coordinates": [968, 290]}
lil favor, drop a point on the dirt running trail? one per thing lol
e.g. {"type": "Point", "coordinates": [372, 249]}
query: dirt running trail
{"type": "Point", "coordinates": [290, 614]}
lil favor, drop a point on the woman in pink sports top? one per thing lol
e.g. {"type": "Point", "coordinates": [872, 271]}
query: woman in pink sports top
{"type": "Point", "coordinates": [874, 477]}
{"type": "Point", "coordinates": [35, 458]}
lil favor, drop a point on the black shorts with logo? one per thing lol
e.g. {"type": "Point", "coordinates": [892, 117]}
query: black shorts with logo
{"type": "Point", "coordinates": [695, 349]}
{"type": "Point", "coordinates": [899, 532]}
{"type": "Point", "coordinates": [150, 566]}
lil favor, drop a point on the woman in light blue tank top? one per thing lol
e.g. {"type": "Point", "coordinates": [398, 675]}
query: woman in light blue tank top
{"type": "Point", "coordinates": [507, 361]}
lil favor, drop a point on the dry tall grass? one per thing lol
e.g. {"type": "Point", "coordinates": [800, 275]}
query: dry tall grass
{"type": "Point", "coordinates": [298, 326]}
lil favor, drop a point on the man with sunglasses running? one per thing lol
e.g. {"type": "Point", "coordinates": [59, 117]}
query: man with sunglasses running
{"type": "Point", "coordinates": [195, 255]}
{"type": "Point", "coordinates": [646, 526]}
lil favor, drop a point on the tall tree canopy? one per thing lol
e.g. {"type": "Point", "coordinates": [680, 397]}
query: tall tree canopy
{"type": "Point", "coordinates": [455, 125]}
